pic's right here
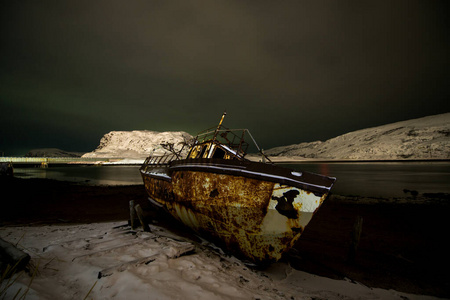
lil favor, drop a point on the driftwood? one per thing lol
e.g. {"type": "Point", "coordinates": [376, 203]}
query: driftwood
{"type": "Point", "coordinates": [145, 260]}
{"type": "Point", "coordinates": [113, 248]}
{"type": "Point", "coordinates": [11, 255]}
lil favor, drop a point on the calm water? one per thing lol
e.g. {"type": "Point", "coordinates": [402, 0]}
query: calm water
{"type": "Point", "coordinates": [95, 175]}
{"type": "Point", "coordinates": [384, 179]}
{"type": "Point", "coordinates": [362, 179]}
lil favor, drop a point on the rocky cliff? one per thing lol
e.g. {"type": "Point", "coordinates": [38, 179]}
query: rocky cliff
{"type": "Point", "coordinates": [137, 143]}
{"type": "Point", "coordinates": [423, 138]}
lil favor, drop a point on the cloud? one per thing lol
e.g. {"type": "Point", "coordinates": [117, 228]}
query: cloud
{"type": "Point", "coordinates": [162, 65]}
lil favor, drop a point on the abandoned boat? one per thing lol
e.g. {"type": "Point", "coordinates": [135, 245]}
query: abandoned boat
{"type": "Point", "coordinates": [255, 210]}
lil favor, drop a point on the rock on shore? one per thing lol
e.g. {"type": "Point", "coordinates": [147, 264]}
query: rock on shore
{"type": "Point", "coordinates": [423, 138]}
{"type": "Point", "coordinates": [137, 143]}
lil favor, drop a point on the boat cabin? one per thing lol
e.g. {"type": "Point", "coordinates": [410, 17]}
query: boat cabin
{"type": "Point", "coordinates": [213, 150]}
{"type": "Point", "coordinates": [220, 143]}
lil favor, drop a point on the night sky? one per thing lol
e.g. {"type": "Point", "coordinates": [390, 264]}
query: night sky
{"type": "Point", "coordinates": [289, 71]}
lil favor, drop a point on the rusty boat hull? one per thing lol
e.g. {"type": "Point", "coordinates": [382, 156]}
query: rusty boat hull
{"type": "Point", "coordinates": [254, 210]}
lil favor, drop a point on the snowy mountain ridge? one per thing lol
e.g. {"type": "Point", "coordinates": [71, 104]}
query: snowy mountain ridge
{"type": "Point", "coordinates": [137, 143]}
{"type": "Point", "coordinates": [422, 138]}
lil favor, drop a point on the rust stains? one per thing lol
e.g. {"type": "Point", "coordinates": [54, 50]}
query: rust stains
{"type": "Point", "coordinates": [230, 199]}
{"type": "Point", "coordinates": [158, 190]}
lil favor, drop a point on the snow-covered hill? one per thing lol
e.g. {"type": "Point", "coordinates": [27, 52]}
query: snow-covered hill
{"type": "Point", "coordinates": [423, 138]}
{"type": "Point", "coordinates": [52, 152]}
{"type": "Point", "coordinates": [137, 143]}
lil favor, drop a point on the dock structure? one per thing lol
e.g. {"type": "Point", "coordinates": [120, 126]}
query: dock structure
{"type": "Point", "coordinates": [45, 161]}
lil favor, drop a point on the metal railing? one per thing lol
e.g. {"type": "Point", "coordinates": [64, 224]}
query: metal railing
{"type": "Point", "coordinates": [160, 160]}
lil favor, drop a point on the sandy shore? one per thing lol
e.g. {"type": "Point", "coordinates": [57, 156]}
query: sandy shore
{"type": "Point", "coordinates": [402, 245]}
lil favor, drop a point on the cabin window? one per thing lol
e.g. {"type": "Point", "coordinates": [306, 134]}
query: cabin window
{"type": "Point", "coordinates": [197, 151]}
{"type": "Point", "coordinates": [194, 152]}
{"type": "Point", "coordinates": [202, 152]}
{"type": "Point", "coordinates": [219, 153]}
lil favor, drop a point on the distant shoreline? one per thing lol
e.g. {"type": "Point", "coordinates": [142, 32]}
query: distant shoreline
{"type": "Point", "coordinates": [288, 160]}
{"type": "Point", "coordinates": [361, 161]}
{"type": "Point", "coordinates": [252, 157]}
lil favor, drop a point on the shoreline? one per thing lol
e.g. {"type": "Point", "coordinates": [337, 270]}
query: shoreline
{"type": "Point", "coordinates": [401, 247]}
{"type": "Point", "coordinates": [55, 161]}
{"type": "Point", "coordinates": [289, 160]}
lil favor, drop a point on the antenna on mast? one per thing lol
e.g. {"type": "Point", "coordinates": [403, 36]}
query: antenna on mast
{"type": "Point", "coordinates": [221, 120]}
{"type": "Point", "coordinates": [220, 124]}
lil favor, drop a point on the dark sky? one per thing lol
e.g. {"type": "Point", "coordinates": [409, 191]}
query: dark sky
{"type": "Point", "coordinates": [289, 71]}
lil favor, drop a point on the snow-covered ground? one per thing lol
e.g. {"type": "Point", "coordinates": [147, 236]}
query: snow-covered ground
{"type": "Point", "coordinates": [69, 260]}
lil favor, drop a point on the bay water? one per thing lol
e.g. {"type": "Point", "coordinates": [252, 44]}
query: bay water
{"type": "Point", "coordinates": [374, 179]}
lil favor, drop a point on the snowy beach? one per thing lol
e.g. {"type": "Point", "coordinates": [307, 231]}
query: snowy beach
{"type": "Point", "coordinates": [69, 259]}
{"type": "Point", "coordinates": [74, 232]}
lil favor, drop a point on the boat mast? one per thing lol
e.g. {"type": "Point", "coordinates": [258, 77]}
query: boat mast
{"type": "Point", "coordinates": [220, 124]}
